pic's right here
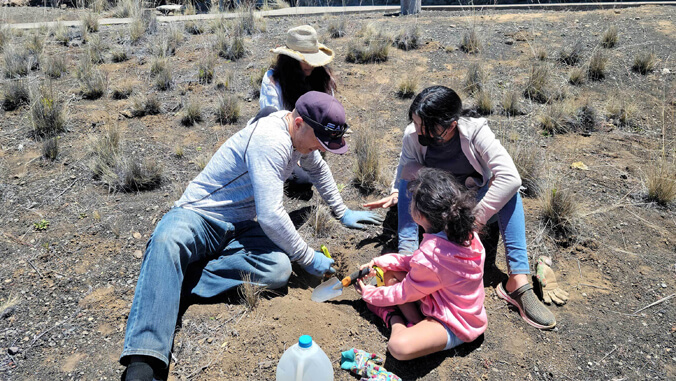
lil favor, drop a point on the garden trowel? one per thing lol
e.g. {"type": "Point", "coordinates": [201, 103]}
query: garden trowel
{"type": "Point", "coordinates": [334, 287]}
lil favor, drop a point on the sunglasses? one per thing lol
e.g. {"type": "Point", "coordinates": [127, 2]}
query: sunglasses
{"type": "Point", "coordinates": [332, 131]}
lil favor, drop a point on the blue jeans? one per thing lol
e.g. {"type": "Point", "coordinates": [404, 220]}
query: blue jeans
{"type": "Point", "coordinates": [202, 256]}
{"type": "Point", "coordinates": [511, 221]}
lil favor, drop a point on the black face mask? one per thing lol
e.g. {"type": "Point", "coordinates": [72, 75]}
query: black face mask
{"type": "Point", "coordinates": [425, 140]}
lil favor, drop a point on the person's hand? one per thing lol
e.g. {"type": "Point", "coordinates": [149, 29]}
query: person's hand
{"type": "Point", "coordinates": [353, 218]}
{"type": "Point", "coordinates": [384, 202]}
{"type": "Point", "coordinates": [369, 265]}
{"type": "Point", "coordinates": [359, 286]}
{"type": "Point", "coordinates": [320, 265]}
{"type": "Point", "coordinates": [548, 285]}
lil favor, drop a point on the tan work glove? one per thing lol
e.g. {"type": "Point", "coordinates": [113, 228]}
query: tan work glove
{"type": "Point", "coordinates": [547, 282]}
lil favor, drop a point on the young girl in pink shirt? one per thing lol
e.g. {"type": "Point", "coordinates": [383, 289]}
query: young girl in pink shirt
{"type": "Point", "coordinates": [433, 300]}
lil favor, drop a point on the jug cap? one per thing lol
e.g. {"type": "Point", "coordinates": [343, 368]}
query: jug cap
{"type": "Point", "coordinates": [305, 341]}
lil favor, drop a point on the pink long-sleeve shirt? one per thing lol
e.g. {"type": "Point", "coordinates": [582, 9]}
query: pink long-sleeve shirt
{"type": "Point", "coordinates": [447, 279]}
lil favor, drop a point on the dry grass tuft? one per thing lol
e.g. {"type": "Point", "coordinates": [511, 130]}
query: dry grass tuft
{"type": "Point", "coordinates": [205, 68]}
{"type": "Point", "coordinates": [249, 292]}
{"type": "Point", "coordinates": [372, 47]}
{"type": "Point", "coordinates": [255, 80]}
{"type": "Point", "coordinates": [528, 159]}
{"type": "Point", "coordinates": [367, 153]}
{"type": "Point", "coordinates": [510, 103]}
{"type": "Point", "coordinates": [137, 29]}
{"type": "Point", "coordinates": [644, 62]}
{"type": "Point", "coordinates": [475, 78]}
{"type": "Point", "coordinates": [407, 87]}
{"type": "Point", "coordinates": [163, 79]}
{"type": "Point", "coordinates": [560, 210]}
{"type": "Point", "coordinates": [609, 38]}
{"type": "Point", "coordinates": [93, 82]}
{"type": "Point", "coordinates": [227, 110]}
{"type": "Point", "coordinates": [192, 113]}
{"type": "Point", "coordinates": [321, 221]}
{"type": "Point", "coordinates": [541, 53]}
{"type": "Point", "coordinates": [50, 149]}
{"type": "Point", "coordinates": [248, 23]}
{"type": "Point", "coordinates": [90, 22]}
{"type": "Point", "coordinates": [225, 81]}
{"type": "Point", "coordinates": [620, 112]}
{"type": "Point", "coordinates": [576, 76]}
{"type": "Point", "coordinates": [661, 183]}
{"type": "Point", "coordinates": [408, 38]}
{"type": "Point", "coordinates": [96, 49]}
{"type": "Point", "coordinates": [484, 103]}
{"type": "Point", "coordinates": [122, 92]}
{"type": "Point", "coordinates": [127, 8]}
{"type": "Point", "coordinates": [537, 84]}
{"type": "Point", "coordinates": [597, 66]}
{"type": "Point", "coordinates": [62, 34]}
{"type": "Point", "coordinates": [15, 94]}
{"type": "Point", "coordinates": [55, 66]}
{"type": "Point", "coordinates": [119, 172]}
{"type": "Point", "coordinates": [337, 28]}
{"type": "Point", "coordinates": [18, 63]}
{"type": "Point", "coordinates": [5, 36]}
{"type": "Point", "coordinates": [570, 55]}
{"type": "Point", "coordinates": [35, 44]}
{"type": "Point", "coordinates": [119, 55]}
{"type": "Point", "coordinates": [230, 48]}
{"type": "Point", "coordinates": [557, 118]}
{"type": "Point", "coordinates": [142, 105]}
{"type": "Point", "coordinates": [48, 114]}
{"type": "Point", "coordinates": [193, 27]}
{"type": "Point", "coordinates": [470, 42]}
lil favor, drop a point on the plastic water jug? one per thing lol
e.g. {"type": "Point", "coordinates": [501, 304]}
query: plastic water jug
{"type": "Point", "coordinates": [304, 361]}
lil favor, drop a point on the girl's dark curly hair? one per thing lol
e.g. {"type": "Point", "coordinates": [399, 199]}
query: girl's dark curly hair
{"type": "Point", "coordinates": [289, 74]}
{"type": "Point", "coordinates": [437, 196]}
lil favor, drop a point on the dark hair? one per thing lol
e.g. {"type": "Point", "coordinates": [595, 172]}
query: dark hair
{"type": "Point", "coordinates": [289, 74]}
{"type": "Point", "coordinates": [436, 105]}
{"type": "Point", "coordinates": [441, 200]}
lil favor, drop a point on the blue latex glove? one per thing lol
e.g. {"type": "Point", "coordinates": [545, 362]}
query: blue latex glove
{"type": "Point", "coordinates": [320, 265]}
{"type": "Point", "coordinates": [352, 218]}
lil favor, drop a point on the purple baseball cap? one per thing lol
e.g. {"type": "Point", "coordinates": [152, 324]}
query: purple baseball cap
{"type": "Point", "coordinates": [326, 116]}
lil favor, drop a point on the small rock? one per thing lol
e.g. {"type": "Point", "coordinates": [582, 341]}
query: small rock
{"type": "Point", "coordinates": [584, 294]}
{"type": "Point", "coordinates": [137, 235]}
{"type": "Point", "coordinates": [13, 350]}
{"type": "Point", "coordinates": [664, 285]}
{"type": "Point", "coordinates": [7, 312]}
{"type": "Point", "coordinates": [138, 254]}
{"type": "Point", "coordinates": [210, 340]}
{"type": "Point", "coordinates": [509, 42]}
{"type": "Point", "coordinates": [666, 71]}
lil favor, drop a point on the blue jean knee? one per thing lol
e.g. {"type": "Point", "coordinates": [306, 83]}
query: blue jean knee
{"type": "Point", "coordinates": [407, 229]}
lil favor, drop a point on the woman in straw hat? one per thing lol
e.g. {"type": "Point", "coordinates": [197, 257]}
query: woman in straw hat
{"type": "Point", "coordinates": [300, 67]}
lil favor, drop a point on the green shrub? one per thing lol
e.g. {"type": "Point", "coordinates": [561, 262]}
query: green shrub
{"type": "Point", "coordinates": [609, 38]}
{"type": "Point", "coordinates": [374, 46]}
{"type": "Point", "coordinates": [644, 62]}
{"type": "Point", "coordinates": [321, 221]}
{"type": "Point", "coordinates": [15, 94]}
{"type": "Point", "coordinates": [408, 38]}
{"type": "Point", "coordinates": [557, 118]}
{"type": "Point", "coordinates": [225, 81]}
{"type": "Point", "coordinates": [560, 210]}
{"type": "Point", "coordinates": [228, 110]}
{"type": "Point", "coordinates": [470, 42]}
{"type": "Point", "coordinates": [48, 115]}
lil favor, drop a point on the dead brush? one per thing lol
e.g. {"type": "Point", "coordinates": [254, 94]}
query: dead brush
{"type": "Point", "coordinates": [576, 76]}
{"type": "Point", "coordinates": [227, 110]}
{"type": "Point", "coordinates": [408, 38]}
{"type": "Point", "coordinates": [15, 94]}
{"type": "Point", "coordinates": [62, 34]}
{"type": "Point", "coordinates": [620, 112]}
{"type": "Point", "coordinates": [528, 160]}
{"type": "Point", "coordinates": [557, 118]}
{"type": "Point", "coordinates": [230, 48]}
{"type": "Point", "coordinates": [93, 82]}
{"type": "Point", "coordinates": [537, 85]}
{"type": "Point", "coordinates": [5, 36]}
{"type": "Point", "coordinates": [372, 47]}
{"type": "Point", "coordinates": [337, 28]}
{"type": "Point", "coordinates": [194, 28]}
{"type": "Point", "coordinates": [55, 66]}
{"type": "Point", "coordinates": [163, 80]}
{"type": "Point", "coordinates": [597, 66]}
{"type": "Point", "coordinates": [484, 103]}
{"type": "Point", "coordinates": [570, 55]}
{"type": "Point", "coordinates": [136, 29]}
{"type": "Point", "coordinates": [248, 23]}
{"type": "Point", "coordinates": [610, 37]}
{"type": "Point", "coordinates": [510, 103]}
{"type": "Point", "coordinates": [321, 221]}
{"type": "Point", "coordinates": [192, 113]}
{"type": "Point", "coordinates": [50, 149]}
{"type": "Point", "coordinates": [142, 105]}
{"type": "Point", "coordinates": [225, 81]}
{"type": "Point", "coordinates": [90, 22]}
{"type": "Point", "coordinates": [367, 151]}
{"type": "Point", "coordinates": [18, 63]}
{"type": "Point", "coordinates": [48, 114]}
{"type": "Point", "coordinates": [407, 87]}
{"type": "Point", "coordinates": [119, 172]}
{"type": "Point", "coordinates": [121, 92]}
{"type": "Point", "coordinates": [127, 8]}
{"type": "Point", "coordinates": [470, 42]}
{"type": "Point", "coordinates": [35, 44]}
{"type": "Point", "coordinates": [660, 182]}
{"type": "Point", "coordinates": [475, 78]}
{"type": "Point", "coordinates": [119, 55]}
{"type": "Point", "coordinates": [205, 68]}
{"type": "Point", "coordinates": [249, 291]}
{"type": "Point", "coordinates": [164, 44]}
{"type": "Point", "coordinates": [96, 49]}
{"type": "Point", "coordinates": [560, 210]}
{"type": "Point", "coordinates": [644, 62]}
{"type": "Point", "coordinates": [541, 53]}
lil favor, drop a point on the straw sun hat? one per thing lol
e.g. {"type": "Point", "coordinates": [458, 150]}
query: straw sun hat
{"type": "Point", "coordinates": [302, 44]}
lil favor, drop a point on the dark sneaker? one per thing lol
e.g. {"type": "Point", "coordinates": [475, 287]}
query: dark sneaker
{"type": "Point", "coordinates": [531, 309]}
{"type": "Point", "coordinates": [138, 371]}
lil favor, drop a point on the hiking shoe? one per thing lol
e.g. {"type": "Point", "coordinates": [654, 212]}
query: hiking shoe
{"type": "Point", "coordinates": [138, 371]}
{"type": "Point", "coordinates": [531, 309]}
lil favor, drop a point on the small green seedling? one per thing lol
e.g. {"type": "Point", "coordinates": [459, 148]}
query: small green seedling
{"type": "Point", "coordinates": [41, 226]}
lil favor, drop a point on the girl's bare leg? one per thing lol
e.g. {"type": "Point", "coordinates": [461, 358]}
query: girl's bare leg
{"type": "Point", "coordinates": [426, 337]}
{"type": "Point", "coordinates": [410, 310]}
